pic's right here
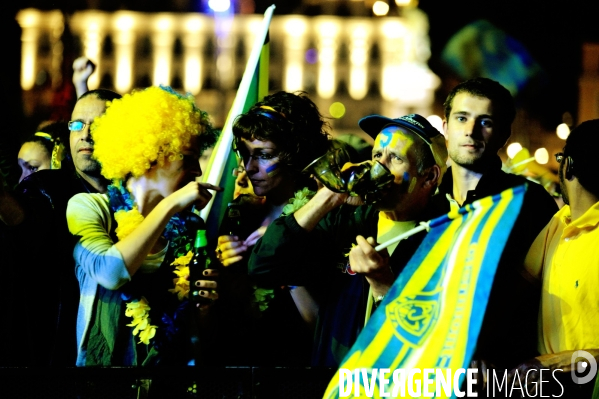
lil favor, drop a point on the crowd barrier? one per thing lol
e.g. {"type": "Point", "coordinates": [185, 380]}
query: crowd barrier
{"type": "Point", "coordinates": [164, 383]}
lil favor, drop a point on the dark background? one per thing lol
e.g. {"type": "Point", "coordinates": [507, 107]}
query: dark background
{"type": "Point", "coordinates": [552, 33]}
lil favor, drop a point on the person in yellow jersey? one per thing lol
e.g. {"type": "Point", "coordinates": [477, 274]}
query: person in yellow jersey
{"type": "Point", "coordinates": [565, 259]}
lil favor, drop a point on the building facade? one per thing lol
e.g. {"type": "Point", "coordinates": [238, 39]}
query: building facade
{"type": "Point", "coordinates": [362, 65]}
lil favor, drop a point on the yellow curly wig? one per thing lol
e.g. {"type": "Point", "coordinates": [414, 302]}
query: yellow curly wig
{"type": "Point", "coordinates": [149, 126]}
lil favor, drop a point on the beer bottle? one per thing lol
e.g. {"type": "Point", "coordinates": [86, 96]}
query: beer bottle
{"type": "Point", "coordinates": [199, 262]}
{"type": "Point", "coordinates": [234, 219]}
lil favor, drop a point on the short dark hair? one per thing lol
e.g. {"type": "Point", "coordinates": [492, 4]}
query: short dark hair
{"type": "Point", "coordinates": [291, 121]}
{"type": "Point", "coordinates": [101, 94]}
{"type": "Point", "coordinates": [503, 102]}
{"type": "Point", "coordinates": [581, 146]}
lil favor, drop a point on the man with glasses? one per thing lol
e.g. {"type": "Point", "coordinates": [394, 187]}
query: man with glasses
{"type": "Point", "coordinates": [89, 106]}
{"type": "Point", "coordinates": [565, 259]}
{"type": "Point", "coordinates": [49, 304]}
{"type": "Point", "coordinates": [478, 117]}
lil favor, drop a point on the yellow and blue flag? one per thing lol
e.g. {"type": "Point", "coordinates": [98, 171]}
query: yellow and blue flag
{"type": "Point", "coordinates": [432, 315]}
{"type": "Point", "coordinates": [253, 88]}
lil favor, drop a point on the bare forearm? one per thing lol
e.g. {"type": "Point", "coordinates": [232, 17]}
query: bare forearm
{"type": "Point", "coordinates": [563, 360]}
{"type": "Point", "coordinates": [81, 88]}
{"type": "Point", "coordinates": [136, 246]}
{"type": "Point", "coordinates": [322, 203]}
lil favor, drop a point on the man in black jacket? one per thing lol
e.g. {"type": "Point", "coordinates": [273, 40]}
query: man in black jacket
{"type": "Point", "coordinates": [44, 329]}
{"type": "Point", "coordinates": [478, 117]}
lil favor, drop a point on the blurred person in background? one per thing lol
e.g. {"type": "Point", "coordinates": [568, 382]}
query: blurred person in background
{"type": "Point", "coordinates": [45, 149]}
{"type": "Point", "coordinates": [41, 232]}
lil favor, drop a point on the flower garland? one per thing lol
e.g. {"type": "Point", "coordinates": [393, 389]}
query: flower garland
{"type": "Point", "coordinates": [140, 311]}
{"type": "Point", "coordinates": [181, 270]}
{"type": "Point", "coordinates": [128, 218]}
{"type": "Point", "coordinates": [262, 297]}
{"type": "Point", "coordinates": [299, 199]}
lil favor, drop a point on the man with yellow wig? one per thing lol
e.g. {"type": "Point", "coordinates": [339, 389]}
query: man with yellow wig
{"type": "Point", "coordinates": [134, 239]}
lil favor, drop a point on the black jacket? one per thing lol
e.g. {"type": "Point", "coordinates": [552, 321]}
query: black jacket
{"type": "Point", "coordinates": [44, 327]}
{"type": "Point", "coordinates": [288, 254]}
{"type": "Point", "coordinates": [509, 332]}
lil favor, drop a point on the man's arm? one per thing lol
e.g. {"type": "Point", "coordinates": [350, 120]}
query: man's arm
{"type": "Point", "coordinates": [317, 208]}
{"type": "Point", "coordinates": [535, 258]}
{"type": "Point", "coordinates": [95, 253]}
{"type": "Point", "coordinates": [294, 247]}
{"type": "Point", "coordinates": [373, 265]}
{"type": "Point", "coordinates": [553, 361]}
{"type": "Point", "coordinates": [83, 67]}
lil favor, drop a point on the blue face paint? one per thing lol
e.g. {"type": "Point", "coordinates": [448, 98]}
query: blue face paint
{"type": "Point", "coordinates": [406, 176]}
{"type": "Point", "coordinates": [385, 139]}
{"type": "Point", "coordinates": [272, 169]}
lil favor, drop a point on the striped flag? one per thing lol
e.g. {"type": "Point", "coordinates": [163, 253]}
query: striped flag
{"type": "Point", "coordinates": [432, 315]}
{"type": "Point", "coordinates": [253, 87]}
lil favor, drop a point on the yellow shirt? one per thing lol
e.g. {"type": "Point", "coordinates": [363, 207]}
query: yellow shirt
{"type": "Point", "coordinates": [566, 256]}
{"type": "Point", "coordinates": [388, 229]}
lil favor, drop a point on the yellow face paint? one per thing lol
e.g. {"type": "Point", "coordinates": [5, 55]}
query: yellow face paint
{"type": "Point", "coordinates": [386, 139]}
{"type": "Point", "coordinates": [390, 138]}
{"type": "Point", "coordinates": [412, 185]}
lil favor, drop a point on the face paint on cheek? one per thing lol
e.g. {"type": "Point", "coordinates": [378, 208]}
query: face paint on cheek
{"type": "Point", "coordinates": [405, 177]}
{"type": "Point", "coordinates": [273, 169]}
{"type": "Point", "coordinates": [412, 185]}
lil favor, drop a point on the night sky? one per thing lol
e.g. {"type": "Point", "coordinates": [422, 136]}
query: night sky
{"type": "Point", "coordinates": [552, 34]}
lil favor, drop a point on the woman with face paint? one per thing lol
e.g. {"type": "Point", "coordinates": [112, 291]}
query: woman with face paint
{"type": "Point", "coordinates": [276, 139]}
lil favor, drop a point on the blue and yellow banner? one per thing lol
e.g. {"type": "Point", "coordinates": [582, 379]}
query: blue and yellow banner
{"type": "Point", "coordinates": [432, 315]}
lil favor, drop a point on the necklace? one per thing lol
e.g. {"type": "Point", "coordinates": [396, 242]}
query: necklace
{"type": "Point", "coordinates": [128, 218]}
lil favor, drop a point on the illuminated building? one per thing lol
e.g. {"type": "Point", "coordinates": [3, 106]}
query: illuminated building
{"type": "Point", "coordinates": [369, 65]}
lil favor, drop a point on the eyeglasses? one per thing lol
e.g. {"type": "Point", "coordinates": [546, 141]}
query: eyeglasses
{"type": "Point", "coordinates": [77, 126]}
{"type": "Point", "coordinates": [559, 157]}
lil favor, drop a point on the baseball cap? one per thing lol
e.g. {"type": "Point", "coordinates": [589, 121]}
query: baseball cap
{"type": "Point", "coordinates": [417, 124]}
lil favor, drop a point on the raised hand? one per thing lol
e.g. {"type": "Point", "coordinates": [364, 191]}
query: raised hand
{"type": "Point", "coordinates": [193, 193]}
{"type": "Point", "coordinates": [83, 67]}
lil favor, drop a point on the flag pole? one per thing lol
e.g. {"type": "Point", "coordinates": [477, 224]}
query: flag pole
{"type": "Point", "coordinates": [217, 163]}
{"type": "Point", "coordinates": [403, 236]}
